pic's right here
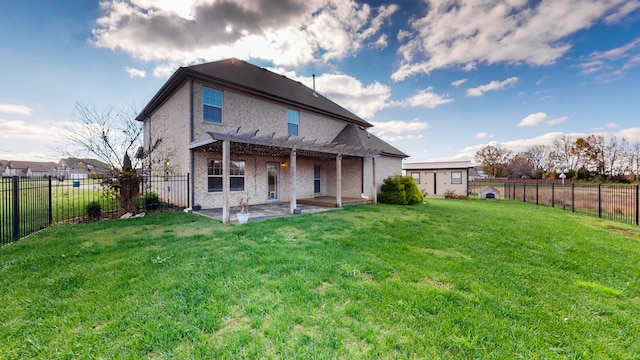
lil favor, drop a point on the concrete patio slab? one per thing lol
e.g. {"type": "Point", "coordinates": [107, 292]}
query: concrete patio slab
{"type": "Point", "coordinates": [266, 211]}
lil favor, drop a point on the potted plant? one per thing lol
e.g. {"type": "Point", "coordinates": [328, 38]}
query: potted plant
{"type": "Point", "coordinates": [243, 210]}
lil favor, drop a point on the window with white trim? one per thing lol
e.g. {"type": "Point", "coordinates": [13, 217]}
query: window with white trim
{"type": "Point", "coordinates": [212, 105]}
{"type": "Point", "coordinates": [215, 171]}
{"type": "Point", "coordinates": [416, 177]}
{"type": "Point", "coordinates": [456, 177]}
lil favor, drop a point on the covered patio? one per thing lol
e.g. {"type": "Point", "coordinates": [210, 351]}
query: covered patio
{"type": "Point", "coordinates": [249, 143]}
{"type": "Point", "coordinates": [266, 211]}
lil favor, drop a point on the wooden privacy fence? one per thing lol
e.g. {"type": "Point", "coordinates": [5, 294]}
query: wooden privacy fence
{"type": "Point", "coordinates": [616, 202]}
{"type": "Point", "coordinates": [31, 204]}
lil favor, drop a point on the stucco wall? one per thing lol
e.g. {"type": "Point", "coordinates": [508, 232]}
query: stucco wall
{"type": "Point", "coordinates": [443, 181]}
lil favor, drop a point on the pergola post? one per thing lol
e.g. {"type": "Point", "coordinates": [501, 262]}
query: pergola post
{"type": "Point", "coordinates": [226, 183]}
{"type": "Point", "coordinates": [339, 180]}
{"type": "Point", "coordinates": [292, 161]}
{"type": "Point", "coordinates": [375, 185]}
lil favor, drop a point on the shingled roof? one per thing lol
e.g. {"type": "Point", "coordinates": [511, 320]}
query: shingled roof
{"type": "Point", "coordinates": [353, 135]}
{"type": "Point", "coordinates": [250, 79]}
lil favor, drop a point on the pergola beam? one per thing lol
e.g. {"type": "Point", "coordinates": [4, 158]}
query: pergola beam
{"type": "Point", "coordinates": [251, 138]}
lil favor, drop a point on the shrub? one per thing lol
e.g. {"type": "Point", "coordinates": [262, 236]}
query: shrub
{"type": "Point", "coordinates": [151, 201]}
{"type": "Point", "coordinates": [451, 194]}
{"type": "Point", "coordinates": [400, 190]}
{"type": "Point", "coordinates": [94, 210]}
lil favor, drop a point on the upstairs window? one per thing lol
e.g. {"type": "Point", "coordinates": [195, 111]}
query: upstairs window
{"type": "Point", "coordinates": [293, 120]}
{"type": "Point", "coordinates": [212, 105]}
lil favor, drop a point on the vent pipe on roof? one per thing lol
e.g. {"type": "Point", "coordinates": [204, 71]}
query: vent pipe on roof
{"type": "Point", "coordinates": [314, 85]}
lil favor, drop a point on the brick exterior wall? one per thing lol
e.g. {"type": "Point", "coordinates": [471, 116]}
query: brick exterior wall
{"type": "Point", "coordinates": [172, 121]}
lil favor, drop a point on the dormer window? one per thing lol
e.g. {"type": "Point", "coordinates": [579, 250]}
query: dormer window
{"type": "Point", "coordinates": [212, 105]}
{"type": "Point", "coordinates": [293, 121]}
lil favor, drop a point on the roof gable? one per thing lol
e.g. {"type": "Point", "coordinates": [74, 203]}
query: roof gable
{"type": "Point", "coordinates": [35, 166]}
{"type": "Point", "coordinates": [245, 77]}
{"type": "Point", "coordinates": [353, 135]}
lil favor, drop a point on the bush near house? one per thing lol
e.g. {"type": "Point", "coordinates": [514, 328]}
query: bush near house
{"type": "Point", "coordinates": [400, 190]}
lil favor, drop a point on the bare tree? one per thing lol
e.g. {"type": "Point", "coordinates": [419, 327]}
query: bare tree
{"type": "Point", "coordinates": [107, 134]}
{"type": "Point", "coordinates": [538, 156]}
{"type": "Point", "coordinates": [494, 160]}
{"type": "Point", "coordinates": [112, 136]}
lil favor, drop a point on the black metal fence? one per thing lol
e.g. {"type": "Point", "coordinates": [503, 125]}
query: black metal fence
{"type": "Point", "coordinates": [616, 202]}
{"type": "Point", "coordinates": [31, 204]}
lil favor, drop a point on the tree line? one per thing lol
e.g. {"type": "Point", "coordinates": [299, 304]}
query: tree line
{"type": "Point", "coordinates": [591, 158]}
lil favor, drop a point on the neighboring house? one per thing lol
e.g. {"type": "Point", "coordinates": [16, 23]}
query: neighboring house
{"type": "Point", "coordinates": [436, 178]}
{"type": "Point", "coordinates": [3, 168]}
{"type": "Point", "coordinates": [243, 131]}
{"type": "Point", "coordinates": [28, 168]}
{"type": "Point", "coordinates": [81, 168]}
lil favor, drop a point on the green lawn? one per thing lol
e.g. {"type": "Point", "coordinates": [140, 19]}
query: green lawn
{"type": "Point", "coordinates": [448, 279]}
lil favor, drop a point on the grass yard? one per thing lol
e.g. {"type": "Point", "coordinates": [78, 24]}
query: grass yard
{"type": "Point", "coordinates": [444, 280]}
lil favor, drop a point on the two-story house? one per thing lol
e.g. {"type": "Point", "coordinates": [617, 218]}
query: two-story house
{"type": "Point", "coordinates": [242, 131]}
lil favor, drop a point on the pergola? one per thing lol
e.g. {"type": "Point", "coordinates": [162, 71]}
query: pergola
{"type": "Point", "coordinates": [251, 143]}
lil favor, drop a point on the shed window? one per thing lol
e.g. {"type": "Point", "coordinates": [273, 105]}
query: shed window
{"type": "Point", "coordinates": [456, 177]}
{"type": "Point", "coordinates": [416, 177]}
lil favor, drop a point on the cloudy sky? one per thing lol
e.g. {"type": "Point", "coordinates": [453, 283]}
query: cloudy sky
{"type": "Point", "coordinates": [439, 79]}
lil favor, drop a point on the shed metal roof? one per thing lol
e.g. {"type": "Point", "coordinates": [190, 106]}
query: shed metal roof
{"type": "Point", "coordinates": [437, 165]}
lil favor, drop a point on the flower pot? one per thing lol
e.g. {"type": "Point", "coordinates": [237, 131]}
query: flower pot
{"type": "Point", "coordinates": [243, 218]}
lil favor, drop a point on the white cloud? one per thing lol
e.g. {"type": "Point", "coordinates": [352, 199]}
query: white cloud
{"type": "Point", "coordinates": [381, 43]}
{"type": "Point", "coordinates": [15, 109]}
{"type": "Point", "coordinates": [494, 85]}
{"type": "Point", "coordinates": [459, 82]}
{"type": "Point", "coordinates": [362, 99]}
{"type": "Point", "coordinates": [286, 33]}
{"type": "Point", "coordinates": [394, 131]}
{"type": "Point", "coordinates": [22, 130]}
{"type": "Point", "coordinates": [540, 118]}
{"type": "Point", "coordinates": [398, 127]}
{"type": "Point", "coordinates": [612, 125]}
{"type": "Point", "coordinates": [466, 34]}
{"type": "Point", "coordinates": [425, 98]}
{"type": "Point", "coordinates": [135, 72]}
{"type": "Point", "coordinates": [481, 135]}
{"type": "Point", "coordinates": [622, 12]}
{"type": "Point", "coordinates": [620, 59]}
{"type": "Point", "coordinates": [631, 134]}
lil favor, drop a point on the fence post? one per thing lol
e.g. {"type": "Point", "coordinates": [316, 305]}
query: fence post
{"type": "Point", "coordinates": [553, 194]}
{"type": "Point", "coordinates": [16, 208]}
{"type": "Point", "coordinates": [50, 203]}
{"type": "Point", "coordinates": [524, 192]}
{"type": "Point", "coordinates": [637, 205]}
{"type": "Point", "coordinates": [573, 194]}
{"type": "Point", "coordinates": [537, 192]}
{"type": "Point", "coordinates": [599, 200]}
{"type": "Point", "coordinates": [188, 191]}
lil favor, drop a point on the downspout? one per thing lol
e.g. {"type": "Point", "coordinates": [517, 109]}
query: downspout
{"type": "Point", "coordinates": [191, 135]}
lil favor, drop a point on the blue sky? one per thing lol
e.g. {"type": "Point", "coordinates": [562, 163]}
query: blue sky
{"type": "Point", "coordinates": [438, 79]}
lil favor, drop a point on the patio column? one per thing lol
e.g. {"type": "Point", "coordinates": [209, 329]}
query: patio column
{"type": "Point", "coordinates": [339, 180]}
{"type": "Point", "coordinates": [226, 164]}
{"type": "Point", "coordinates": [292, 161]}
{"type": "Point", "coordinates": [375, 185]}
